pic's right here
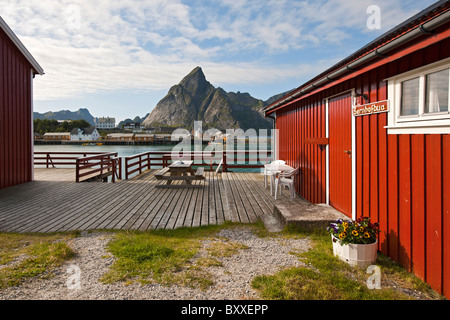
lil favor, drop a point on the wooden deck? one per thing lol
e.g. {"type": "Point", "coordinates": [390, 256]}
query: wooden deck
{"type": "Point", "coordinates": [55, 202]}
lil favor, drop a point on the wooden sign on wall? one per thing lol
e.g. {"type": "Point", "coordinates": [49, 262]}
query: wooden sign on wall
{"type": "Point", "coordinates": [371, 108]}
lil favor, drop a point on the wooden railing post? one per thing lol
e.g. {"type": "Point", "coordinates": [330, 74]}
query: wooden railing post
{"type": "Point", "coordinates": [224, 161]}
{"type": "Point", "coordinates": [120, 168]}
{"type": "Point", "coordinates": [114, 168]}
{"type": "Point", "coordinates": [77, 170]}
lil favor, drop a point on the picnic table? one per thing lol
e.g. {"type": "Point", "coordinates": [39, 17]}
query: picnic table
{"type": "Point", "coordinates": [179, 171]}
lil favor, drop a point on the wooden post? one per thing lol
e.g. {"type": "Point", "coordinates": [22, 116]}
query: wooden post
{"type": "Point", "coordinates": [224, 161]}
{"type": "Point", "coordinates": [113, 162]}
{"type": "Point", "coordinates": [120, 168]}
{"type": "Point", "coordinates": [77, 170]}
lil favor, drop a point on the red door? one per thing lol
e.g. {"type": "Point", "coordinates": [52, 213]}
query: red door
{"type": "Point", "coordinates": [340, 153]}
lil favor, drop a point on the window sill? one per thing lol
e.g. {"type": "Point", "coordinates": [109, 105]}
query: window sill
{"type": "Point", "coordinates": [419, 128]}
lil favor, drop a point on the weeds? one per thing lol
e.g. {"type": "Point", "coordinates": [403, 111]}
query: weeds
{"type": "Point", "coordinates": [24, 256]}
{"type": "Point", "coordinates": [325, 277]}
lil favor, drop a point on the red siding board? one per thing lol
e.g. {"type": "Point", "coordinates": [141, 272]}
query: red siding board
{"type": "Point", "coordinates": [404, 201]}
{"type": "Point", "coordinates": [433, 211]}
{"type": "Point", "coordinates": [418, 204]}
{"type": "Point", "coordinates": [392, 231]}
{"type": "Point", "coordinates": [446, 215]}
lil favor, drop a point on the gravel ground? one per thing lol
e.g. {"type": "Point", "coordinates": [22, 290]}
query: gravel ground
{"type": "Point", "coordinates": [231, 280]}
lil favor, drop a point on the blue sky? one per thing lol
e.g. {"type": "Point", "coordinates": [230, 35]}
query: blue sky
{"type": "Point", "coordinates": [119, 58]}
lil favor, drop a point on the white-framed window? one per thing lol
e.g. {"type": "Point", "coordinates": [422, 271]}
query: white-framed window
{"type": "Point", "coordinates": [420, 99]}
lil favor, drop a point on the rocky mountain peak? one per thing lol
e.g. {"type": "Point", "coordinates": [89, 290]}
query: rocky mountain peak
{"type": "Point", "coordinates": [196, 99]}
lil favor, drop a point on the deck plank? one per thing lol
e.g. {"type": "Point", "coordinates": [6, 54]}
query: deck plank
{"type": "Point", "coordinates": [54, 202]}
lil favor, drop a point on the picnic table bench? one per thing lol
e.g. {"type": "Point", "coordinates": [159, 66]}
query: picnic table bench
{"type": "Point", "coordinates": [179, 171]}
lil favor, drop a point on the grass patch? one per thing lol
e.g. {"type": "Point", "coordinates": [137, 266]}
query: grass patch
{"type": "Point", "coordinates": [24, 256]}
{"type": "Point", "coordinates": [208, 262]}
{"type": "Point", "coordinates": [225, 248]}
{"type": "Point", "coordinates": [325, 277]}
{"type": "Point", "coordinates": [163, 256]}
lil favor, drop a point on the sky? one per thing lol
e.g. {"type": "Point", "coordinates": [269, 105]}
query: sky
{"type": "Point", "coordinates": [119, 58]}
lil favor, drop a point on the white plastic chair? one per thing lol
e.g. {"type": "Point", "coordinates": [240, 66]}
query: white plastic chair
{"type": "Point", "coordinates": [271, 173]}
{"type": "Point", "coordinates": [286, 178]}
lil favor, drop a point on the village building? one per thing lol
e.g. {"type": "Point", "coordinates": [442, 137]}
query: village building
{"type": "Point", "coordinates": [105, 123]}
{"type": "Point", "coordinates": [120, 137]}
{"type": "Point", "coordinates": [371, 138]}
{"type": "Point", "coordinates": [16, 115]}
{"type": "Point", "coordinates": [134, 126]}
{"type": "Point", "coordinates": [143, 137]}
{"type": "Point", "coordinates": [85, 134]}
{"type": "Point", "coordinates": [57, 136]}
{"type": "Point", "coordinates": [37, 136]}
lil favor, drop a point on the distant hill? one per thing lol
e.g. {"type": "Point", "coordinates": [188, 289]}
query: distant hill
{"type": "Point", "coordinates": [136, 119]}
{"type": "Point", "coordinates": [195, 99]}
{"type": "Point", "coordinates": [81, 114]}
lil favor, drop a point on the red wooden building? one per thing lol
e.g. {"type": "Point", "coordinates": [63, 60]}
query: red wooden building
{"type": "Point", "coordinates": [371, 135]}
{"type": "Point", "coordinates": [17, 70]}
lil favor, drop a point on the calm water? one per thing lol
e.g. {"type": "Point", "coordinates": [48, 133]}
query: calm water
{"type": "Point", "coordinates": [123, 151]}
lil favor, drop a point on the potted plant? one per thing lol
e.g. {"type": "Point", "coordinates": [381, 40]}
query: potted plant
{"type": "Point", "coordinates": [355, 241]}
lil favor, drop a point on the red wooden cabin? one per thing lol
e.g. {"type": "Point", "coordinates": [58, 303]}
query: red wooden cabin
{"type": "Point", "coordinates": [17, 70]}
{"type": "Point", "coordinates": [371, 135]}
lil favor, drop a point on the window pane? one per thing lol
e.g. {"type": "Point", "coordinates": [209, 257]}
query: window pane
{"type": "Point", "coordinates": [410, 97]}
{"type": "Point", "coordinates": [437, 91]}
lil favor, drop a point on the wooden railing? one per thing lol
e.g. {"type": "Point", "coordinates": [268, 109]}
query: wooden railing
{"type": "Point", "coordinates": [103, 165]}
{"type": "Point", "coordinates": [98, 167]}
{"type": "Point", "coordinates": [227, 160]}
{"type": "Point", "coordinates": [54, 159]}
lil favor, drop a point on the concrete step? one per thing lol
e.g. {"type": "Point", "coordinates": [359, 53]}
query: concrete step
{"type": "Point", "coordinates": [308, 215]}
{"type": "Point", "coordinates": [272, 223]}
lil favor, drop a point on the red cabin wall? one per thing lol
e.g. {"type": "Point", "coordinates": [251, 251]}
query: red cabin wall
{"type": "Point", "coordinates": [16, 159]}
{"type": "Point", "coordinates": [402, 181]}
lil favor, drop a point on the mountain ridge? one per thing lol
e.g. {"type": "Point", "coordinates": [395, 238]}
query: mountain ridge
{"type": "Point", "coordinates": [80, 114]}
{"type": "Point", "coordinates": [195, 99]}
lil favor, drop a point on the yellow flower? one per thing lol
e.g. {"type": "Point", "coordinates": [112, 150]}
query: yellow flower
{"type": "Point", "coordinates": [355, 233]}
{"type": "Point", "coordinates": [366, 235]}
{"type": "Point", "coordinates": [345, 224]}
{"type": "Point", "coordinates": [342, 235]}
{"type": "Point", "coordinates": [361, 229]}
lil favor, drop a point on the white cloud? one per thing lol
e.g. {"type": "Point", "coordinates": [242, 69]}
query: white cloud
{"type": "Point", "coordinates": [89, 46]}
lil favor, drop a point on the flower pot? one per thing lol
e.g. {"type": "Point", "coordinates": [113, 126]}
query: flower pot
{"type": "Point", "coordinates": [361, 255]}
